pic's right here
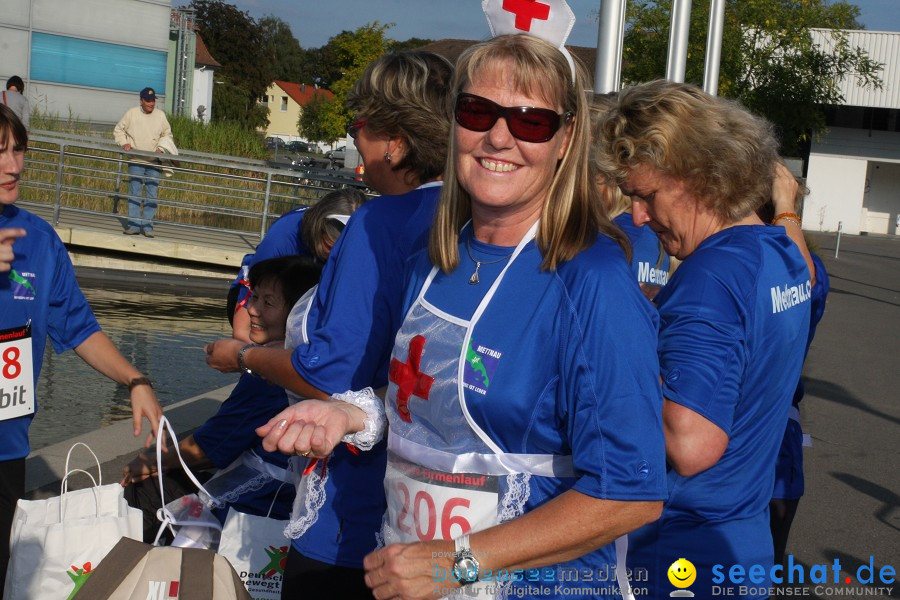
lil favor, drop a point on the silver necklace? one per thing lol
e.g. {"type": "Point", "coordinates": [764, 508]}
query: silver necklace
{"type": "Point", "coordinates": [473, 280]}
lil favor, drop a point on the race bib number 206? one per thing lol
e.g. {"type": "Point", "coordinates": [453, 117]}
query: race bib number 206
{"type": "Point", "coordinates": [425, 504]}
{"type": "Point", "coordinates": [16, 373]}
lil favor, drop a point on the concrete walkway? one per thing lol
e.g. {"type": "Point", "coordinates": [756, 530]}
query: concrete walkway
{"type": "Point", "coordinates": [115, 446]}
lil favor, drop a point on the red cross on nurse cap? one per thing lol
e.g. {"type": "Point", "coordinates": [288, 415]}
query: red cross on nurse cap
{"type": "Point", "coordinates": [550, 20]}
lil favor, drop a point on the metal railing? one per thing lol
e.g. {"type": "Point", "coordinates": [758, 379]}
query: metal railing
{"type": "Point", "coordinates": [198, 191]}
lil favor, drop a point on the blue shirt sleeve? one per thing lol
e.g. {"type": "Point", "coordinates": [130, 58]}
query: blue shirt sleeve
{"type": "Point", "coordinates": [232, 430]}
{"type": "Point", "coordinates": [70, 318]}
{"type": "Point", "coordinates": [611, 381]}
{"type": "Point", "coordinates": [702, 350]}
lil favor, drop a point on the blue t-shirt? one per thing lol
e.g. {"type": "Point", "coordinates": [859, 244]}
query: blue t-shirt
{"type": "Point", "coordinates": [40, 288]}
{"type": "Point", "coordinates": [352, 323]}
{"type": "Point", "coordinates": [648, 259]}
{"type": "Point", "coordinates": [232, 430]}
{"type": "Point", "coordinates": [733, 328]}
{"type": "Point", "coordinates": [282, 239]}
{"type": "Point", "coordinates": [566, 365]}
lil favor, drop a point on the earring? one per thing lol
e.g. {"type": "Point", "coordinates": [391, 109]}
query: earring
{"type": "Point", "coordinates": [387, 157]}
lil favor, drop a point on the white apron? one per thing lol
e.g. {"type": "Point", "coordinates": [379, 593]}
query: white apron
{"type": "Point", "coordinates": [309, 480]}
{"type": "Point", "coordinates": [445, 477]}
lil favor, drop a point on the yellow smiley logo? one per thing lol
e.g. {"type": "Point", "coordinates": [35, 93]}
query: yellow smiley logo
{"type": "Point", "coordinates": [682, 573]}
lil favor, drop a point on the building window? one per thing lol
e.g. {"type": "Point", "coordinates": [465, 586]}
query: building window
{"type": "Point", "coordinates": [74, 61]}
{"type": "Point", "coordinates": [284, 104]}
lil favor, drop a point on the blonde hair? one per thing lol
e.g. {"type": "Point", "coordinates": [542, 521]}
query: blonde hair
{"type": "Point", "coordinates": [406, 94]}
{"type": "Point", "coordinates": [614, 201]}
{"type": "Point", "coordinates": [723, 153]}
{"type": "Point", "coordinates": [572, 213]}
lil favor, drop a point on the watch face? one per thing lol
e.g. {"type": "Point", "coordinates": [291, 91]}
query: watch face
{"type": "Point", "coordinates": [465, 569]}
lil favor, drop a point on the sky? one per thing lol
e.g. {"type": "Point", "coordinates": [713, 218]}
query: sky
{"type": "Point", "coordinates": [315, 21]}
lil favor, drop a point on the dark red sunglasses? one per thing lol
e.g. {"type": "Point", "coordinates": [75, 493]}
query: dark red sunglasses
{"type": "Point", "coordinates": [353, 128]}
{"type": "Point", "coordinates": [526, 123]}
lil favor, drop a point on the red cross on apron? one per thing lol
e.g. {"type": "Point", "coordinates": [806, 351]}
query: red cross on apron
{"type": "Point", "coordinates": [526, 11]}
{"type": "Point", "coordinates": [410, 381]}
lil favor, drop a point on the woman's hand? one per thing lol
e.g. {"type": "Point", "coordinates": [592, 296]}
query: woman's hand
{"type": "Point", "coordinates": [222, 355]}
{"type": "Point", "coordinates": [144, 403]}
{"type": "Point", "coordinates": [139, 469]}
{"type": "Point", "coordinates": [410, 571]}
{"type": "Point", "coordinates": [311, 428]}
{"type": "Point", "coordinates": [8, 237]}
{"type": "Point", "coordinates": [784, 190]}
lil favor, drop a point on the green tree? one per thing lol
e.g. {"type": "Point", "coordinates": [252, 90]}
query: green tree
{"type": "Point", "coordinates": [351, 52]}
{"type": "Point", "coordinates": [291, 62]}
{"type": "Point", "coordinates": [232, 103]}
{"type": "Point", "coordinates": [410, 44]}
{"type": "Point", "coordinates": [320, 124]}
{"type": "Point", "coordinates": [769, 59]}
{"type": "Point", "coordinates": [237, 42]}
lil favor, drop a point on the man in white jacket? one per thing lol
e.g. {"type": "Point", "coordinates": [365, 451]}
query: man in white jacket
{"type": "Point", "coordinates": [143, 128]}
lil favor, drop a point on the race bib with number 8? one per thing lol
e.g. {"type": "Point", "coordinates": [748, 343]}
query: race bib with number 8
{"type": "Point", "coordinates": [16, 373]}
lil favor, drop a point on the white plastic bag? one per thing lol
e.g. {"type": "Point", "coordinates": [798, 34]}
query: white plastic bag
{"type": "Point", "coordinates": [57, 541]}
{"type": "Point", "coordinates": [257, 549]}
{"type": "Point", "coordinates": [189, 518]}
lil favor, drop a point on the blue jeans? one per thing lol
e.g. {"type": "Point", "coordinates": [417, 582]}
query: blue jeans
{"type": "Point", "coordinates": [147, 176]}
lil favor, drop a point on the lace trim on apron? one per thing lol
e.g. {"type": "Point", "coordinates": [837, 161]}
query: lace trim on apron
{"type": "Point", "coordinates": [310, 498]}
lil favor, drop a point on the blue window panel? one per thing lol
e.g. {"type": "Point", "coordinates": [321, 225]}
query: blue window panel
{"type": "Point", "coordinates": [75, 61]}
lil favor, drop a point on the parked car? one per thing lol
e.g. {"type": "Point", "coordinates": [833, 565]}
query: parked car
{"type": "Point", "coordinates": [337, 155]}
{"type": "Point", "coordinates": [298, 147]}
{"type": "Point", "coordinates": [274, 143]}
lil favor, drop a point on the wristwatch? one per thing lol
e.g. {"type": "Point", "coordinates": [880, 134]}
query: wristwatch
{"type": "Point", "coordinates": [243, 367]}
{"type": "Point", "coordinates": [138, 381]}
{"type": "Point", "coordinates": [465, 565]}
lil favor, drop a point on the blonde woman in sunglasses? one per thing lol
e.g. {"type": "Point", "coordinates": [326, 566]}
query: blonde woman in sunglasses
{"type": "Point", "coordinates": [525, 432]}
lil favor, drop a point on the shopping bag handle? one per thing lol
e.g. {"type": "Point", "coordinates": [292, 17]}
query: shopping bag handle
{"type": "Point", "coordinates": [164, 425]}
{"type": "Point", "coordinates": [274, 499]}
{"type": "Point", "coordinates": [164, 514]}
{"type": "Point", "coordinates": [97, 460]}
{"type": "Point", "coordinates": [64, 490]}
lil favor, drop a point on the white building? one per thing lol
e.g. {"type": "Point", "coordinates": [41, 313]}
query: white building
{"type": "Point", "coordinates": [85, 58]}
{"type": "Point", "coordinates": [853, 172]}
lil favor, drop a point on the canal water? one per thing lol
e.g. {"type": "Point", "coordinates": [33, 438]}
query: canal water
{"type": "Point", "coordinates": [162, 333]}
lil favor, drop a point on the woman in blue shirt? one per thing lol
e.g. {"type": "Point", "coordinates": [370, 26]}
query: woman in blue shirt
{"type": "Point", "coordinates": [523, 405]}
{"type": "Point", "coordinates": [733, 322]}
{"type": "Point", "coordinates": [39, 297]}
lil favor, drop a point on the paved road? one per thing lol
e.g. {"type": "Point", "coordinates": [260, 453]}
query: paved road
{"type": "Point", "coordinates": [851, 509]}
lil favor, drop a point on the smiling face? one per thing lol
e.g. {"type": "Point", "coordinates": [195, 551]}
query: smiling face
{"type": "Point", "coordinates": [12, 161]}
{"type": "Point", "coordinates": [268, 312]}
{"type": "Point", "coordinates": [663, 203]}
{"type": "Point", "coordinates": [682, 573]}
{"type": "Point", "coordinates": [148, 105]}
{"type": "Point", "coordinates": [507, 179]}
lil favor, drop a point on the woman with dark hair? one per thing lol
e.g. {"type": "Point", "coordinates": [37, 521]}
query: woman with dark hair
{"type": "Point", "coordinates": [247, 477]}
{"type": "Point", "coordinates": [39, 297]}
{"type": "Point", "coordinates": [733, 322]}
{"type": "Point", "coordinates": [523, 407]}
{"type": "Point", "coordinates": [401, 129]}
